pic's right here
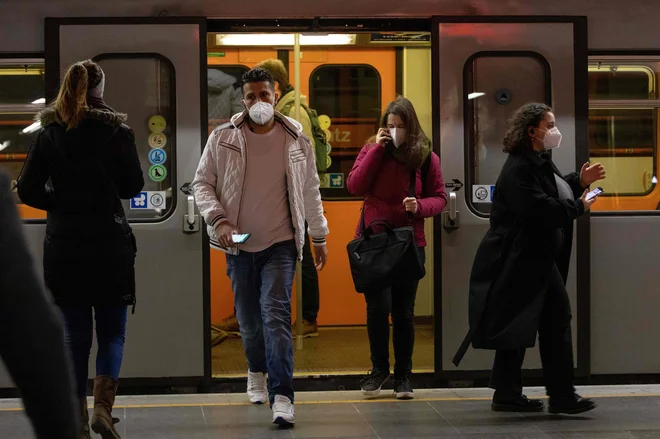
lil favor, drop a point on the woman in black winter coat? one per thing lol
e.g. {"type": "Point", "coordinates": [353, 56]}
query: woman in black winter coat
{"type": "Point", "coordinates": [517, 284]}
{"type": "Point", "coordinates": [83, 161]}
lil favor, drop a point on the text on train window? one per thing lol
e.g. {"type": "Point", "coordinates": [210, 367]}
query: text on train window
{"type": "Point", "coordinates": [21, 97]}
{"type": "Point", "coordinates": [350, 96]}
{"type": "Point", "coordinates": [623, 131]}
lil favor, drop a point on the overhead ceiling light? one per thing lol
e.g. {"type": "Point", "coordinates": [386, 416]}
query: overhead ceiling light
{"type": "Point", "coordinates": [19, 71]}
{"type": "Point", "coordinates": [4, 145]}
{"type": "Point", "coordinates": [40, 101]}
{"type": "Point", "coordinates": [476, 95]}
{"type": "Point", "coordinates": [32, 128]}
{"type": "Point", "coordinates": [283, 40]}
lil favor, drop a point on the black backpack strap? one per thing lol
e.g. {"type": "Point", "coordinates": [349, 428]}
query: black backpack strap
{"type": "Point", "coordinates": [425, 171]}
{"type": "Point", "coordinates": [413, 174]}
{"type": "Point", "coordinates": [426, 165]}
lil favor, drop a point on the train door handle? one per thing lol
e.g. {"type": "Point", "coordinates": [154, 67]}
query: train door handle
{"type": "Point", "coordinates": [191, 221]}
{"type": "Point", "coordinates": [451, 215]}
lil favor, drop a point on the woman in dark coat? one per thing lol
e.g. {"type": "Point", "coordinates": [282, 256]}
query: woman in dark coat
{"type": "Point", "coordinates": [83, 160]}
{"type": "Point", "coordinates": [517, 284]}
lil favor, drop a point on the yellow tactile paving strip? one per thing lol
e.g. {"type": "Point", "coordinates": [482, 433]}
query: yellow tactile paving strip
{"type": "Point", "coordinates": [349, 399]}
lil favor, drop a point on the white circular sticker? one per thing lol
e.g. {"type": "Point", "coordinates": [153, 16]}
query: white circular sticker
{"type": "Point", "coordinates": [157, 201]}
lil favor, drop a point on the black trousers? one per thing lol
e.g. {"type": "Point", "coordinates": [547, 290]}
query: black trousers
{"type": "Point", "coordinates": [399, 301]}
{"type": "Point", "coordinates": [555, 345]}
{"type": "Point", "coordinates": [310, 283]}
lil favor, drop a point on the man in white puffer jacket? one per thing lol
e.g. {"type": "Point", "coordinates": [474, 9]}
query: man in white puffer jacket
{"type": "Point", "coordinates": [258, 175]}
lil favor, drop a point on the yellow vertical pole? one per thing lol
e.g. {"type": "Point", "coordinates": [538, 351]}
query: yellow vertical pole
{"type": "Point", "coordinates": [299, 293]}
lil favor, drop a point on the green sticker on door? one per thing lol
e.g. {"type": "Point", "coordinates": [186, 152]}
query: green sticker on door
{"type": "Point", "coordinates": [157, 173]}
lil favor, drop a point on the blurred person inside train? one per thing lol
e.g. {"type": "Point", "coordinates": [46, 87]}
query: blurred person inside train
{"type": "Point", "coordinates": [381, 174]}
{"type": "Point", "coordinates": [224, 95]}
{"type": "Point", "coordinates": [82, 163]}
{"type": "Point", "coordinates": [285, 104]}
{"type": "Point", "coordinates": [224, 100]}
{"type": "Point", "coordinates": [257, 175]}
{"type": "Point", "coordinates": [32, 334]}
{"type": "Point", "coordinates": [518, 279]}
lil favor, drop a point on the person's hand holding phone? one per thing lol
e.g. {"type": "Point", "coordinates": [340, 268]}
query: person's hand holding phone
{"type": "Point", "coordinates": [383, 136]}
{"type": "Point", "coordinates": [586, 201]}
{"type": "Point", "coordinates": [224, 232]}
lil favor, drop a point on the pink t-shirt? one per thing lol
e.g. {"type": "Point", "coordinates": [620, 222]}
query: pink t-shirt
{"type": "Point", "coordinates": [265, 212]}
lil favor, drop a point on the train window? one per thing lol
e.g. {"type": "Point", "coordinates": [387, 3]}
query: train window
{"type": "Point", "coordinates": [224, 93]}
{"type": "Point", "coordinates": [350, 95]}
{"type": "Point", "coordinates": [611, 81]}
{"type": "Point", "coordinates": [496, 84]}
{"type": "Point", "coordinates": [623, 131]}
{"type": "Point", "coordinates": [142, 85]}
{"type": "Point", "coordinates": [21, 97]}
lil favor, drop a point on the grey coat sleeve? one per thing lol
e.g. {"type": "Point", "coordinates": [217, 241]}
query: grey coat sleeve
{"type": "Point", "coordinates": [32, 334]}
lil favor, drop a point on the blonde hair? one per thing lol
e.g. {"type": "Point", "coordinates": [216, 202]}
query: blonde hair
{"type": "Point", "coordinates": [71, 102]}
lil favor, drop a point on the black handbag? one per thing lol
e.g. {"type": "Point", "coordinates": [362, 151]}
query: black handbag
{"type": "Point", "coordinates": [377, 260]}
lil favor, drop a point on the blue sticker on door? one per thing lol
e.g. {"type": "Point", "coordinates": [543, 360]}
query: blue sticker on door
{"type": "Point", "coordinates": [157, 156]}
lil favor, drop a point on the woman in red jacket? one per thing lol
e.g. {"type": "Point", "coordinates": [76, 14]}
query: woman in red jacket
{"type": "Point", "coordinates": [381, 174]}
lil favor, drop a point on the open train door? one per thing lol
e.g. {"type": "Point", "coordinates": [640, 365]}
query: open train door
{"type": "Point", "coordinates": [156, 73]}
{"type": "Point", "coordinates": [484, 69]}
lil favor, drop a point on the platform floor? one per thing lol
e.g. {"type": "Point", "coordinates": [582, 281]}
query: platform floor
{"type": "Point", "coordinates": [623, 412]}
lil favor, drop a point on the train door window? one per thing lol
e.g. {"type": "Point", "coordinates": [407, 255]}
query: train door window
{"type": "Point", "coordinates": [497, 83]}
{"type": "Point", "coordinates": [623, 131]}
{"type": "Point", "coordinates": [224, 93]}
{"type": "Point", "coordinates": [21, 97]}
{"type": "Point", "coordinates": [350, 96]}
{"type": "Point", "coordinates": [142, 85]}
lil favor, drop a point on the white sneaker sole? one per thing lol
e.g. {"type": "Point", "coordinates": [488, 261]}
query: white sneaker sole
{"type": "Point", "coordinates": [282, 420]}
{"type": "Point", "coordinates": [404, 395]}
{"type": "Point", "coordinates": [258, 398]}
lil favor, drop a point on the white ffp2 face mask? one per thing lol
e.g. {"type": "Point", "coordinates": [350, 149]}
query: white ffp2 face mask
{"type": "Point", "coordinates": [552, 139]}
{"type": "Point", "coordinates": [398, 136]}
{"type": "Point", "coordinates": [261, 113]}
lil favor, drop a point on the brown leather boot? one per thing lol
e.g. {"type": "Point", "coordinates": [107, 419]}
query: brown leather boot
{"type": "Point", "coordinates": [85, 419]}
{"type": "Point", "coordinates": [105, 389]}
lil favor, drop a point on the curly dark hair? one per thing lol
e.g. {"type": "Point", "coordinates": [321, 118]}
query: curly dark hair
{"type": "Point", "coordinates": [257, 75]}
{"type": "Point", "coordinates": [516, 138]}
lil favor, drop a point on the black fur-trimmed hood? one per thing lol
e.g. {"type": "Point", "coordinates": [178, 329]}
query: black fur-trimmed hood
{"type": "Point", "coordinates": [49, 116]}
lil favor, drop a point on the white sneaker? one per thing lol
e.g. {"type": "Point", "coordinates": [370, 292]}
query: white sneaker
{"type": "Point", "coordinates": [257, 388]}
{"type": "Point", "coordinates": [283, 412]}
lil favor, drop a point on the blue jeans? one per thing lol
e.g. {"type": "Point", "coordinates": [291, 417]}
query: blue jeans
{"type": "Point", "coordinates": [262, 283]}
{"type": "Point", "coordinates": [110, 336]}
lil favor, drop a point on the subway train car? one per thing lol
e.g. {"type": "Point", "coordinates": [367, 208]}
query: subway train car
{"type": "Point", "coordinates": [465, 65]}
